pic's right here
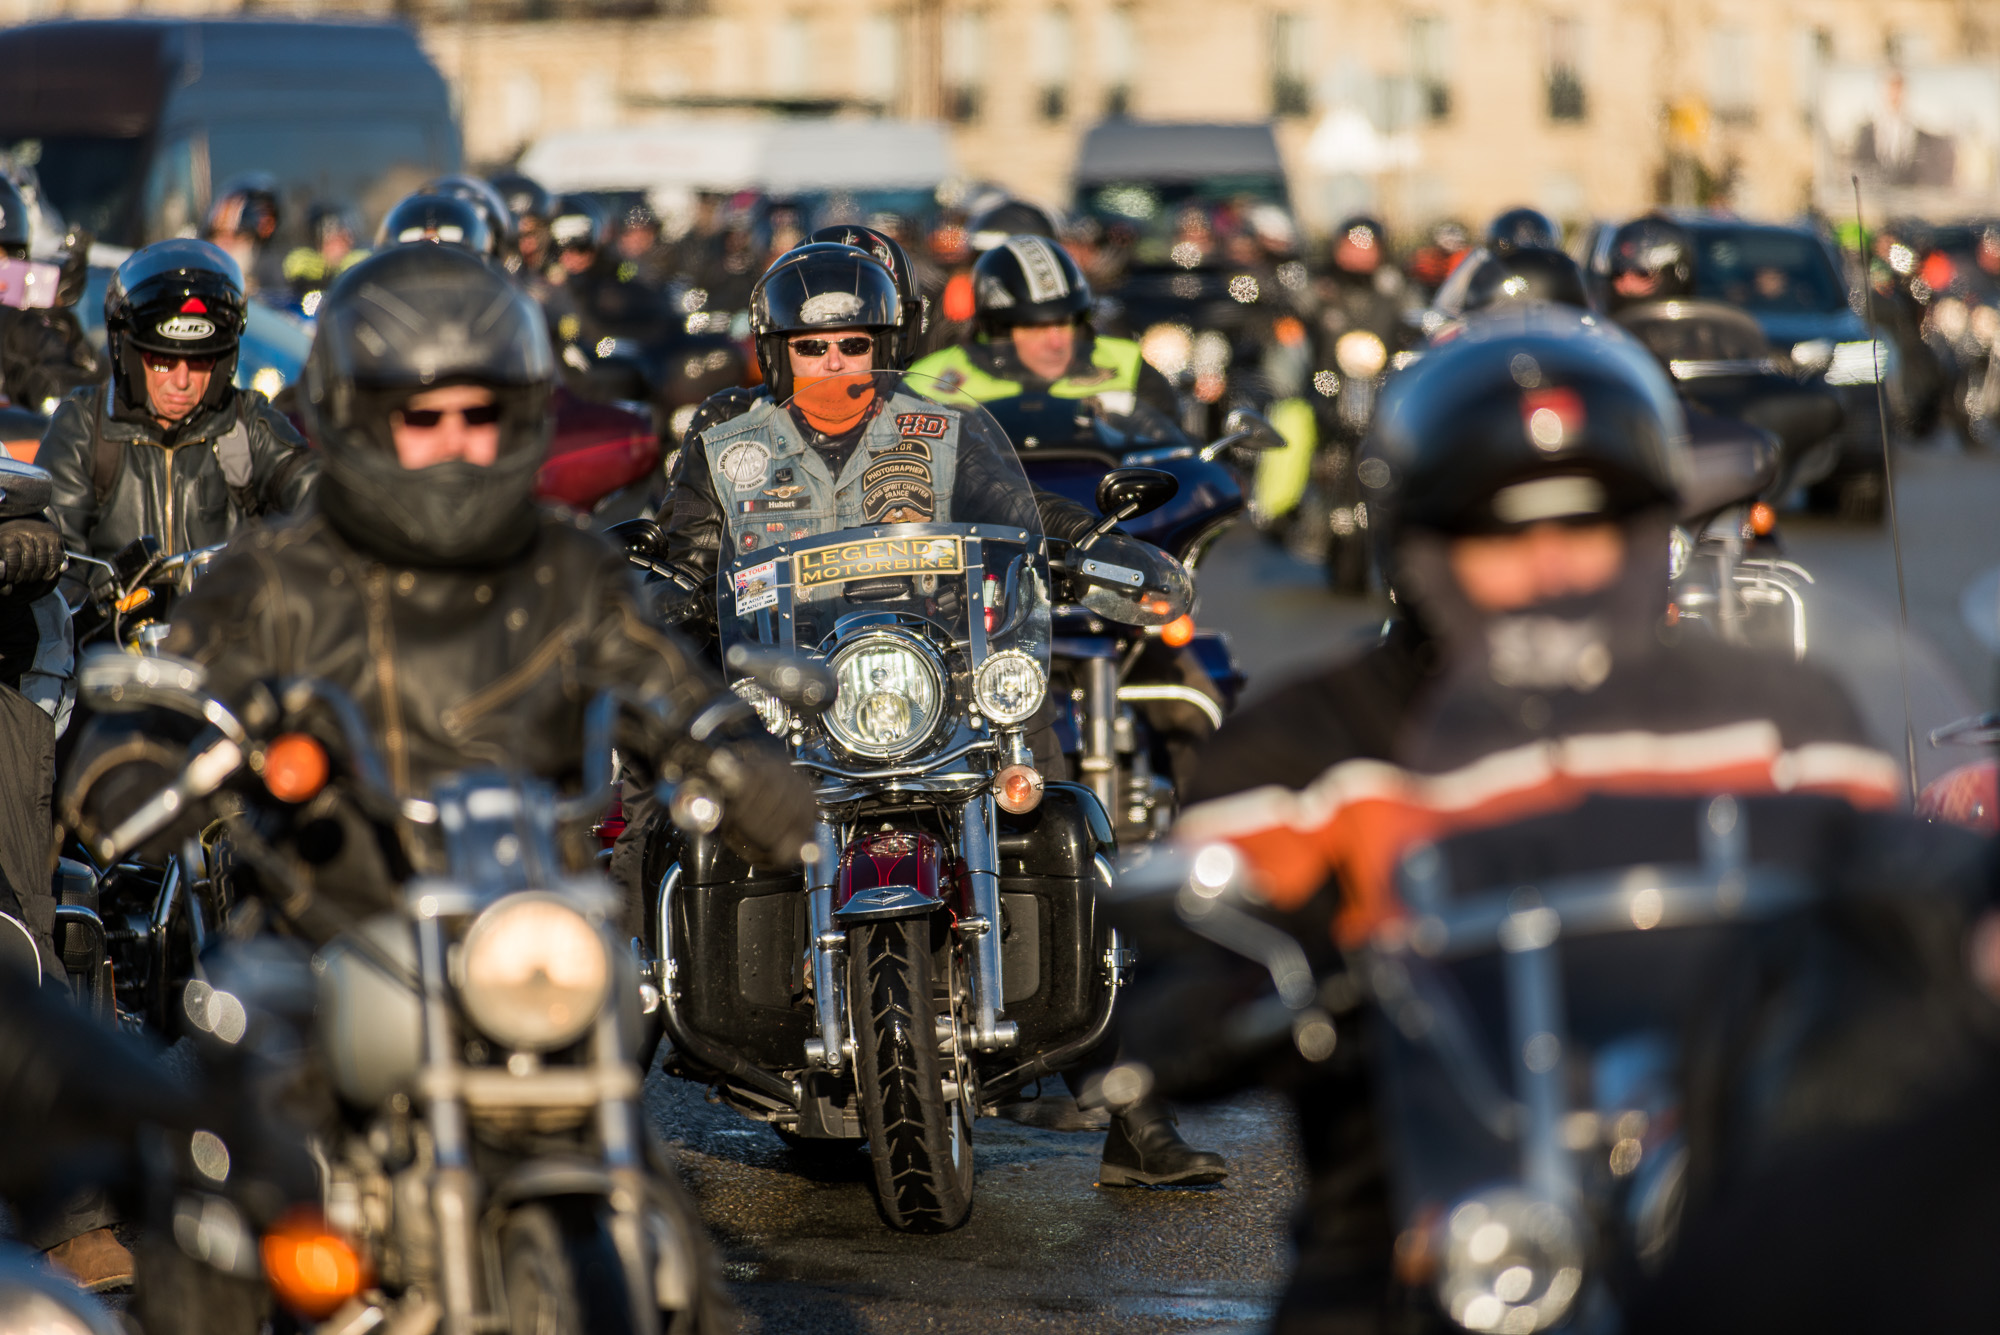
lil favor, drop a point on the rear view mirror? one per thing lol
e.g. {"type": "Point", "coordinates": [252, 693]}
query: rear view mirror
{"type": "Point", "coordinates": [1253, 428]}
{"type": "Point", "coordinates": [1124, 493]}
{"type": "Point", "coordinates": [642, 536]}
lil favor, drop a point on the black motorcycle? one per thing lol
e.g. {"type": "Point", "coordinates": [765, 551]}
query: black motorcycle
{"type": "Point", "coordinates": [943, 949]}
{"type": "Point", "coordinates": [1118, 686]}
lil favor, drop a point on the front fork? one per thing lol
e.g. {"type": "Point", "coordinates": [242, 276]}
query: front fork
{"type": "Point", "coordinates": [979, 848]}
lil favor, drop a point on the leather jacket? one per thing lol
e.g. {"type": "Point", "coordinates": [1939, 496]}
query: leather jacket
{"type": "Point", "coordinates": [170, 483]}
{"type": "Point", "coordinates": [452, 669]}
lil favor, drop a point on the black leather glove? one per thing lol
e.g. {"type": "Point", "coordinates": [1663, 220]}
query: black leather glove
{"type": "Point", "coordinates": [31, 556]}
{"type": "Point", "coordinates": [768, 812]}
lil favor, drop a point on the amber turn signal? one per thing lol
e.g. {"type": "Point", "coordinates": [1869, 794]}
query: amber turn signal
{"type": "Point", "coordinates": [135, 600]}
{"type": "Point", "coordinates": [1763, 519]}
{"type": "Point", "coordinates": [1178, 631]}
{"type": "Point", "coordinates": [311, 1269]}
{"type": "Point", "coordinates": [1017, 789]}
{"type": "Point", "coordinates": [295, 767]}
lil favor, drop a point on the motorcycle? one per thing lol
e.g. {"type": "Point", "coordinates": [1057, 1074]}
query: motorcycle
{"type": "Point", "coordinates": [1725, 566]}
{"type": "Point", "coordinates": [1565, 1081]}
{"type": "Point", "coordinates": [943, 948]}
{"type": "Point", "coordinates": [491, 1170]}
{"type": "Point", "coordinates": [1110, 681]}
{"type": "Point", "coordinates": [155, 914]}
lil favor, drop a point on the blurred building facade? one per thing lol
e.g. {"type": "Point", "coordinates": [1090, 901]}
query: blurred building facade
{"type": "Point", "coordinates": [1419, 109]}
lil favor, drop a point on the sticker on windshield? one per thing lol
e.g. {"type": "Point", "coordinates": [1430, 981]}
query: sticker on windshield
{"type": "Point", "coordinates": [876, 557]}
{"type": "Point", "coordinates": [756, 587]}
{"type": "Point", "coordinates": [744, 463]}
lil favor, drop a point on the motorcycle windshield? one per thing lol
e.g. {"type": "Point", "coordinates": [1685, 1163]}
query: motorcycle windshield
{"type": "Point", "coordinates": [895, 535]}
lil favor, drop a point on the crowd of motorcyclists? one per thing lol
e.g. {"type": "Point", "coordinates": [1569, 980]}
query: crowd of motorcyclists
{"type": "Point", "coordinates": [1518, 442]}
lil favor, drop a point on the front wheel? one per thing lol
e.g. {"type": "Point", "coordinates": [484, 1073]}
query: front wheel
{"type": "Point", "coordinates": [919, 1141]}
{"type": "Point", "coordinates": [562, 1271]}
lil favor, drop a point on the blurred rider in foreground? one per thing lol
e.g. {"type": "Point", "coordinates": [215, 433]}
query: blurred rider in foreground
{"type": "Point", "coordinates": [1523, 478]}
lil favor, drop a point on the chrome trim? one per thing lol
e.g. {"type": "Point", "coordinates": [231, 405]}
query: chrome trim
{"type": "Point", "coordinates": [829, 948]}
{"type": "Point", "coordinates": [1697, 368]}
{"type": "Point", "coordinates": [978, 846]}
{"type": "Point", "coordinates": [1186, 695]}
{"type": "Point", "coordinates": [932, 662]}
{"type": "Point", "coordinates": [911, 770]}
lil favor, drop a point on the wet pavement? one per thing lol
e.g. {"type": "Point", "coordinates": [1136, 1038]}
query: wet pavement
{"type": "Point", "coordinates": [1045, 1250]}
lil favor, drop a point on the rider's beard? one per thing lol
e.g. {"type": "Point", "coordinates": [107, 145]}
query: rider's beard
{"type": "Point", "coordinates": [834, 403]}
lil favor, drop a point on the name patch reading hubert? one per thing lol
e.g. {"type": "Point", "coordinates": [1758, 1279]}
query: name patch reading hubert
{"type": "Point", "coordinates": [876, 557]}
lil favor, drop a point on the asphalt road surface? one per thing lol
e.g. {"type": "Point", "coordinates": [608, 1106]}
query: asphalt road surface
{"type": "Point", "coordinates": [1047, 1249]}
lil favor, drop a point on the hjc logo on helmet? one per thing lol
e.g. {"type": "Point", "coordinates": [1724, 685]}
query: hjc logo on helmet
{"type": "Point", "coordinates": [188, 325]}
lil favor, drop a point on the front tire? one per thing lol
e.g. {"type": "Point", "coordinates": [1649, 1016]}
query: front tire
{"type": "Point", "coordinates": [562, 1272]}
{"type": "Point", "coordinates": [919, 1142]}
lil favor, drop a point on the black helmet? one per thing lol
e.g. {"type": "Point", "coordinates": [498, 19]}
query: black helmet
{"type": "Point", "coordinates": [820, 285]}
{"type": "Point", "coordinates": [409, 319]}
{"type": "Point", "coordinates": [1027, 280]}
{"type": "Point", "coordinates": [1525, 274]}
{"type": "Point", "coordinates": [246, 206]}
{"type": "Point", "coordinates": [890, 254]}
{"type": "Point", "coordinates": [576, 223]}
{"type": "Point", "coordinates": [482, 196]}
{"type": "Point", "coordinates": [442, 219]}
{"type": "Point", "coordinates": [524, 197]}
{"type": "Point", "coordinates": [1518, 397]}
{"type": "Point", "coordinates": [1653, 254]}
{"type": "Point", "coordinates": [1015, 217]}
{"type": "Point", "coordinates": [17, 221]}
{"type": "Point", "coordinates": [1364, 233]}
{"type": "Point", "coordinates": [1518, 229]}
{"type": "Point", "coordinates": [183, 297]}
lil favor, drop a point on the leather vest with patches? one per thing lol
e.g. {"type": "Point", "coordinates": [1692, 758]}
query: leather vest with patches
{"type": "Point", "coordinates": [776, 487]}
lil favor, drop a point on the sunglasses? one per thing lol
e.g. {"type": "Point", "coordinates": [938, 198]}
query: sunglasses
{"type": "Point", "coordinates": [163, 365]}
{"type": "Point", "coordinates": [479, 414]}
{"type": "Point", "coordinates": [849, 347]}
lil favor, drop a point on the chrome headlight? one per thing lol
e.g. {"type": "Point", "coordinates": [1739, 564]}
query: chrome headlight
{"type": "Point", "coordinates": [889, 696]}
{"type": "Point", "coordinates": [1512, 1262]}
{"type": "Point", "coordinates": [1360, 354]}
{"type": "Point", "coordinates": [533, 972]}
{"type": "Point", "coordinates": [1010, 686]}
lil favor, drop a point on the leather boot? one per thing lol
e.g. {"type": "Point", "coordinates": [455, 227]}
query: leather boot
{"type": "Point", "coordinates": [1145, 1149]}
{"type": "Point", "coordinates": [97, 1260]}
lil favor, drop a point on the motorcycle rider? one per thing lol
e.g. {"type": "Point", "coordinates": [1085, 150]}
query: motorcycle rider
{"type": "Point", "coordinates": [244, 221]}
{"type": "Point", "coordinates": [331, 253]}
{"type": "Point", "coordinates": [530, 205]}
{"type": "Point", "coordinates": [1652, 259]}
{"type": "Point", "coordinates": [44, 352]}
{"type": "Point", "coordinates": [1033, 336]}
{"type": "Point", "coordinates": [470, 626]}
{"type": "Point", "coordinates": [1523, 478]}
{"type": "Point", "coordinates": [446, 219]}
{"type": "Point", "coordinates": [171, 448]}
{"type": "Point", "coordinates": [1522, 229]}
{"type": "Point", "coordinates": [825, 420]}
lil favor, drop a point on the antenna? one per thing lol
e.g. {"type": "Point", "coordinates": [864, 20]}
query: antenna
{"type": "Point", "coordinates": [1889, 486]}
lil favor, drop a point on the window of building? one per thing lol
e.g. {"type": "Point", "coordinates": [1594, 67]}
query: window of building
{"type": "Point", "coordinates": [1732, 86]}
{"type": "Point", "coordinates": [1291, 92]}
{"type": "Point", "coordinates": [964, 65]}
{"type": "Point", "coordinates": [790, 44]}
{"type": "Point", "coordinates": [1565, 70]}
{"type": "Point", "coordinates": [1117, 58]}
{"type": "Point", "coordinates": [881, 58]}
{"type": "Point", "coordinates": [1430, 66]}
{"type": "Point", "coordinates": [1051, 62]}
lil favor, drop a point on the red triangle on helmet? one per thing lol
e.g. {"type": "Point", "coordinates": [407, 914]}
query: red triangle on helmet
{"type": "Point", "coordinates": [193, 306]}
